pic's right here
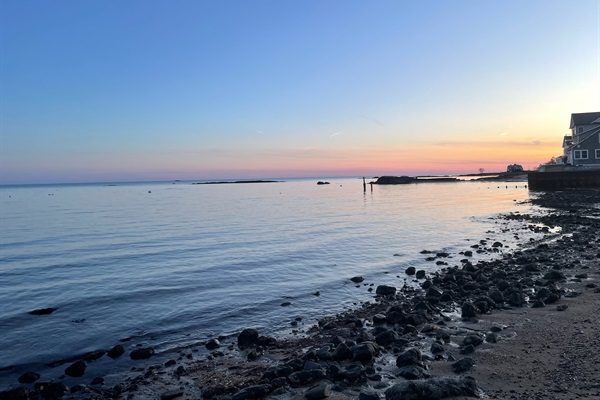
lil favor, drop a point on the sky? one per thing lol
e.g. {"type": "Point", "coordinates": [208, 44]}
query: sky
{"type": "Point", "coordinates": [112, 90]}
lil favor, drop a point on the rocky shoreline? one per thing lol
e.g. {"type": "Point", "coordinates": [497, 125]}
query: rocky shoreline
{"type": "Point", "coordinates": [439, 338]}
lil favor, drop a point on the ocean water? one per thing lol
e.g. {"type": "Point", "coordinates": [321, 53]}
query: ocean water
{"type": "Point", "coordinates": [171, 263]}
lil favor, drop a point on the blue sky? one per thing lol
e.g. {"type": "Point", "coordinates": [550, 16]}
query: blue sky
{"type": "Point", "coordinates": [128, 90]}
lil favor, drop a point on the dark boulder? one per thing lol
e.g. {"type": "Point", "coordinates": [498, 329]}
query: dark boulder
{"type": "Point", "coordinates": [387, 337]}
{"type": "Point", "coordinates": [142, 353]}
{"type": "Point", "coordinates": [20, 393]}
{"type": "Point", "coordinates": [318, 392]}
{"type": "Point", "coordinates": [491, 337]}
{"type": "Point", "coordinates": [410, 271]}
{"type": "Point", "coordinates": [420, 274]}
{"type": "Point", "coordinates": [412, 372]}
{"type": "Point", "coordinates": [43, 311]}
{"type": "Point", "coordinates": [212, 344]}
{"type": "Point", "coordinates": [469, 310]}
{"type": "Point", "coordinates": [384, 290]}
{"type": "Point", "coordinates": [364, 352]}
{"type": "Point", "coordinates": [341, 352]}
{"type": "Point", "coordinates": [51, 390]}
{"type": "Point", "coordinates": [116, 352]}
{"type": "Point", "coordinates": [437, 348]}
{"type": "Point", "coordinates": [247, 338]}
{"type": "Point", "coordinates": [357, 279]}
{"type": "Point", "coordinates": [409, 357]}
{"type": "Point", "coordinates": [252, 392]}
{"type": "Point", "coordinates": [516, 299]}
{"type": "Point", "coordinates": [432, 389]}
{"type": "Point", "coordinates": [29, 377]}
{"type": "Point", "coordinates": [463, 365]}
{"type": "Point", "coordinates": [554, 275]}
{"type": "Point", "coordinates": [76, 369]}
{"type": "Point", "coordinates": [302, 378]}
{"type": "Point", "coordinates": [496, 296]}
{"type": "Point", "coordinates": [474, 340]}
{"type": "Point", "coordinates": [351, 373]}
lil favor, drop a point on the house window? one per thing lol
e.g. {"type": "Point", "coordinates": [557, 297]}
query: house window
{"type": "Point", "coordinates": [580, 154]}
{"type": "Point", "coordinates": [579, 129]}
{"type": "Point", "coordinates": [597, 154]}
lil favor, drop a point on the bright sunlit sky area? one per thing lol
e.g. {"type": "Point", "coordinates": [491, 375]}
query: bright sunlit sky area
{"type": "Point", "coordinates": [159, 90]}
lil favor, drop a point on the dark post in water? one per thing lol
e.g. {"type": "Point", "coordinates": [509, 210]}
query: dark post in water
{"type": "Point", "coordinates": [364, 185]}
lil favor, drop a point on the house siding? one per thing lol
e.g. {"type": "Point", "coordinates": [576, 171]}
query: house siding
{"type": "Point", "coordinates": [591, 145]}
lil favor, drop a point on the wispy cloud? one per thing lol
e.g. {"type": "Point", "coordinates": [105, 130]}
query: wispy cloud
{"type": "Point", "coordinates": [504, 134]}
{"type": "Point", "coordinates": [378, 122]}
{"type": "Point", "coordinates": [336, 133]}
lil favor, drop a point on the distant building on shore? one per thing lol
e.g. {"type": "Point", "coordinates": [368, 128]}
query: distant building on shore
{"type": "Point", "coordinates": [514, 168]}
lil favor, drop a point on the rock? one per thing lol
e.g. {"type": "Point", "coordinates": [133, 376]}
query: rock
{"type": "Point", "coordinates": [364, 352]}
{"type": "Point", "coordinates": [410, 271]}
{"type": "Point", "coordinates": [172, 394]}
{"type": "Point", "coordinates": [561, 307]}
{"type": "Point", "coordinates": [19, 393]}
{"type": "Point", "coordinates": [538, 303]}
{"type": "Point", "coordinates": [463, 365]}
{"type": "Point", "coordinates": [420, 274]}
{"type": "Point", "coordinates": [76, 369]}
{"type": "Point", "coordinates": [357, 279]}
{"type": "Point", "coordinates": [468, 310]}
{"type": "Point", "coordinates": [474, 340]}
{"type": "Point", "coordinates": [318, 392]}
{"type": "Point", "coordinates": [491, 337]}
{"type": "Point", "coordinates": [302, 378]}
{"type": "Point", "coordinates": [384, 290]}
{"type": "Point", "coordinates": [94, 355]}
{"type": "Point", "coordinates": [29, 377]}
{"type": "Point", "coordinates": [341, 352]}
{"type": "Point", "coordinates": [351, 372]}
{"type": "Point", "coordinates": [247, 338]}
{"type": "Point", "coordinates": [516, 299]}
{"type": "Point", "coordinates": [467, 349]}
{"type": "Point", "coordinates": [437, 348]}
{"type": "Point", "coordinates": [554, 275]}
{"type": "Point", "coordinates": [51, 390]}
{"type": "Point", "coordinates": [412, 372]}
{"type": "Point", "coordinates": [369, 395]}
{"type": "Point", "coordinates": [266, 341]}
{"type": "Point", "coordinates": [409, 357]}
{"type": "Point", "coordinates": [252, 392]}
{"type": "Point", "coordinates": [432, 389]}
{"type": "Point", "coordinates": [497, 244]}
{"type": "Point", "coordinates": [387, 337]}
{"type": "Point", "coordinates": [116, 352]}
{"type": "Point", "coordinates": [142, 353]}
{"type": "Point", "coordinates": [97, 381]}
{"type": "Point", "coordinates": [43, 311]}
{"type": "Point", "coordinates": [212, 344]}
{"type": "Point", "coordinates": [379, 319]}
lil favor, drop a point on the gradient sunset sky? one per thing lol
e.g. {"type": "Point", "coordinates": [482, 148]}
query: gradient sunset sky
{"type": "Point", "coordinates": [118, 90]}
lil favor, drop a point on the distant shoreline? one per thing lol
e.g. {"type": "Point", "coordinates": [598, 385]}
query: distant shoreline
{"type": "Point", "coordinates": [227, 182]}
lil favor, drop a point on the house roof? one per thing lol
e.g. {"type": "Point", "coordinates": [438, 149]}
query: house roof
{"type": "Point", "coordinates": [585, 119]}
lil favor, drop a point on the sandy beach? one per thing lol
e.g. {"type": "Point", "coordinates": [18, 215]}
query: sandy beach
{"type": "Point", "coordinates": [523, 326]}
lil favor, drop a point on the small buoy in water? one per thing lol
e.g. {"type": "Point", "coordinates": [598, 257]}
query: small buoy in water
{"type": "Point", "coordinates": [149, 191]}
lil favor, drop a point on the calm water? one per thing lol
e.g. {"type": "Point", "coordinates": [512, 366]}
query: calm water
{"type": "Point", "coordinates": [170, 264]}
